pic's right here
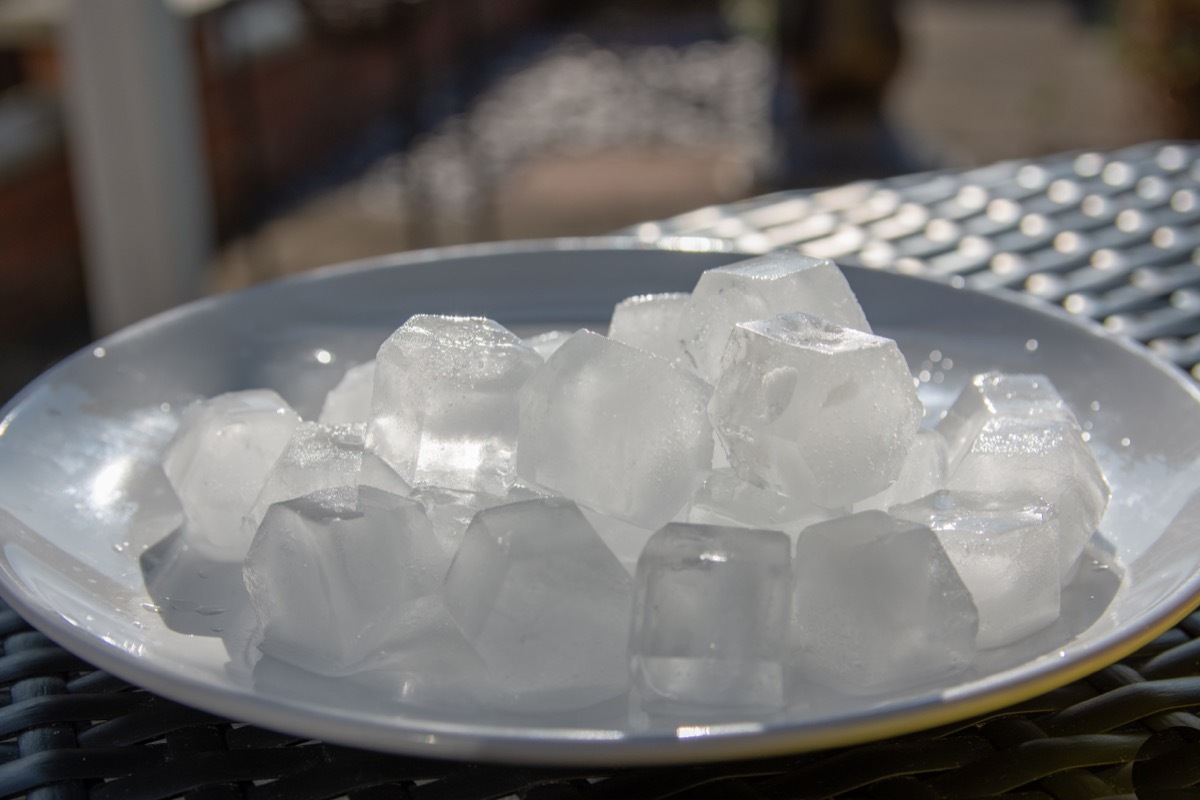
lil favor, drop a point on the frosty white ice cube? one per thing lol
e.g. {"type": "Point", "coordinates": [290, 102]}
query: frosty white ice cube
{"type": "Point", "coordinates": [544, 603]}
{"type": "Point", "coordinates": [444, 404]}
{"type": "Point", "coordinates": [995, 394]}
{"type": "Point", "coordinates": [651, 322]}
{"type": "Point", "coordinates": [219, 460]}
{"type": "Point", "coordinates": [317, 457]}
{"type": "Point", "coordinates": [330, 573]}
{"type": "Point", "coordinates": [877, 605]}
{"type": "Point", "coordinates": [815, 410]}
{"type": "Point", "coordinates": [710, 617]}
{"type": "Point", "coordinates": [1005, 548]}
{"type": "Point", "coordinates": [350, 400]}
{"type": "Point", "coordinates": [615, 428]}
{"type": "Point", "coordinates": [777, 283]}
{"type": "Point", "coordinates": [1043, 457]}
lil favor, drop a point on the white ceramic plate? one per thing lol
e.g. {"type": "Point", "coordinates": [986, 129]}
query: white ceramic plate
{"type": "Point", "coordinates": [85, 513]}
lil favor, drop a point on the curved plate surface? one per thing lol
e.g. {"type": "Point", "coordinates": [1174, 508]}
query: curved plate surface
{"type": "Point", "coordinates": [86, 514]}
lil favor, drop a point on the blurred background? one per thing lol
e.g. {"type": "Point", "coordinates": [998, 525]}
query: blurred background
{"type": "Point", "coordinates": [155, 150]}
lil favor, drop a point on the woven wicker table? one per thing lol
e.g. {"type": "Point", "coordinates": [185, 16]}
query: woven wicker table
{"type": "Point", "coordinates": [1114, 237]}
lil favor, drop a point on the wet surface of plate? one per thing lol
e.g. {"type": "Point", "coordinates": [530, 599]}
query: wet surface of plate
{"type": "Point", "coordinates": [86, 516]}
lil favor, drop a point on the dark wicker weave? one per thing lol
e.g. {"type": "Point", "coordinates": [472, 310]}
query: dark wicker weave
{"type": "Point", "coordinates": [1113, 236]}
{"type": "Point", "coordinates": [72, 732]}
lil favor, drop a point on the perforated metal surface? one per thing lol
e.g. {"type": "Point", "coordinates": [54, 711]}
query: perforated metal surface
{"type": "Point", "coordinates": [1111, 236]}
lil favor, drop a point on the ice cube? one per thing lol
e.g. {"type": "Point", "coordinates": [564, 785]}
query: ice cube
{"type": "Point", "coordinates": [615, 428]}
{"type": "Point", "coordinates": [923, 473]}
{"type": "Point", "coordinates": [544, 344]}
{"type": "Point", "coordinates": [651, 322]}
{"type": "Point", "coordinates": [1045, 457]}
{"type": "Point", "coordinates": [777, 283]}
{"type": "Point", "coordinates": [317, 457]}
{"type": "Point", "coordinates": [350, 400]}
{"type": "Point", "coordinates": [815, 410]}
{"type": "Point", "coordinates": [1005, 548]}
{"type": "Point", "coordinates": [330, 573]}
{"type": "Point", "coordinates": [444, 405]}
{"type": "Point", "coordinates": [710, 617]}
{"type": "Point", "coordinates": [544, 603]}
{"type": "Point", "coordinates": [219, 460]}
{"type": "Point", "coordinates": [726, 499]}
{"type": "Point", "coordinates": [877, 605]}
{"type": "Point", "coordinates": [996, 394]}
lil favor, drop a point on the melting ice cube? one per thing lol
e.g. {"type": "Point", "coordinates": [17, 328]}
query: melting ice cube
{"type": "Point", "coordinates": [544, 603]}
{"type": "Point", "coordinates": [219, 460]}
{"type": "Point", "coordinates": [877, 605]}
{"type": "Point", "coordinates": [1044, 457]}
{"type": "Point", "coordinates": [710, 618]}
{"type": "Point", "coordinates": [615, 428]}
{"type": "Point", "coordinates": [444, 405]}
{"type": "Point", "coordinates": [317, 457]}
{"type": "Point", "coordinates": [777, 283]}
{"type": "Point", "coordinates": [1005, 548]}
{"type": "Point", "coordinates": [331, 573]}
{"type": "Point", "coordinates": [815, 410]}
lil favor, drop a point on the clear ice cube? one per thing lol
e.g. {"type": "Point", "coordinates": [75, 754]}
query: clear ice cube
{"type": "Point", "coordinates": [815, 410]}
{"type": "Point", "coordinates": [651, 322]}
{"type": "Point", "coordinates": [444, 404]}
{"type": "Point", "coordinates": [760, 288]}
{"type": "Point", "coordinates": [1044, 457]}
{"type": "Point", "coordinates": [710, 618]}
{"type": "Point", "coordinates": [350, 400]}
{"type": "Point", "coordinates": [317, 457]}
{"type": "Point", "coordinates": [877, 605]}
{"type": "Point", "coordinates": [219, 460]}
{"type": "Point", "coordinates": [615, 428]}
{"type": "Point", "coordinates": [1005, 548]}
{"type": "Point", "coordinates": [330, 574]}
{"type": "Point", "coordinates": [544, 603]}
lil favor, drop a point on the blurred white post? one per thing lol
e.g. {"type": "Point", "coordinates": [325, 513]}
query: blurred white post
{"type": "Point", "coordinates": [134, 131]}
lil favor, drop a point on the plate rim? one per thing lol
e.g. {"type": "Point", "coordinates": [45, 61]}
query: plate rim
{"type": "Point", "coordinates": [440, 739]}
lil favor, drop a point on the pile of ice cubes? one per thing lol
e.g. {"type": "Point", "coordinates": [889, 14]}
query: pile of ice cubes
{"type": "Point", "coordinates": [730, 495]}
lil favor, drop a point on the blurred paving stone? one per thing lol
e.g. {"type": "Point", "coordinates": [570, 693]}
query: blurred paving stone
{"type": "Point", "coordinates": [588, 137]}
